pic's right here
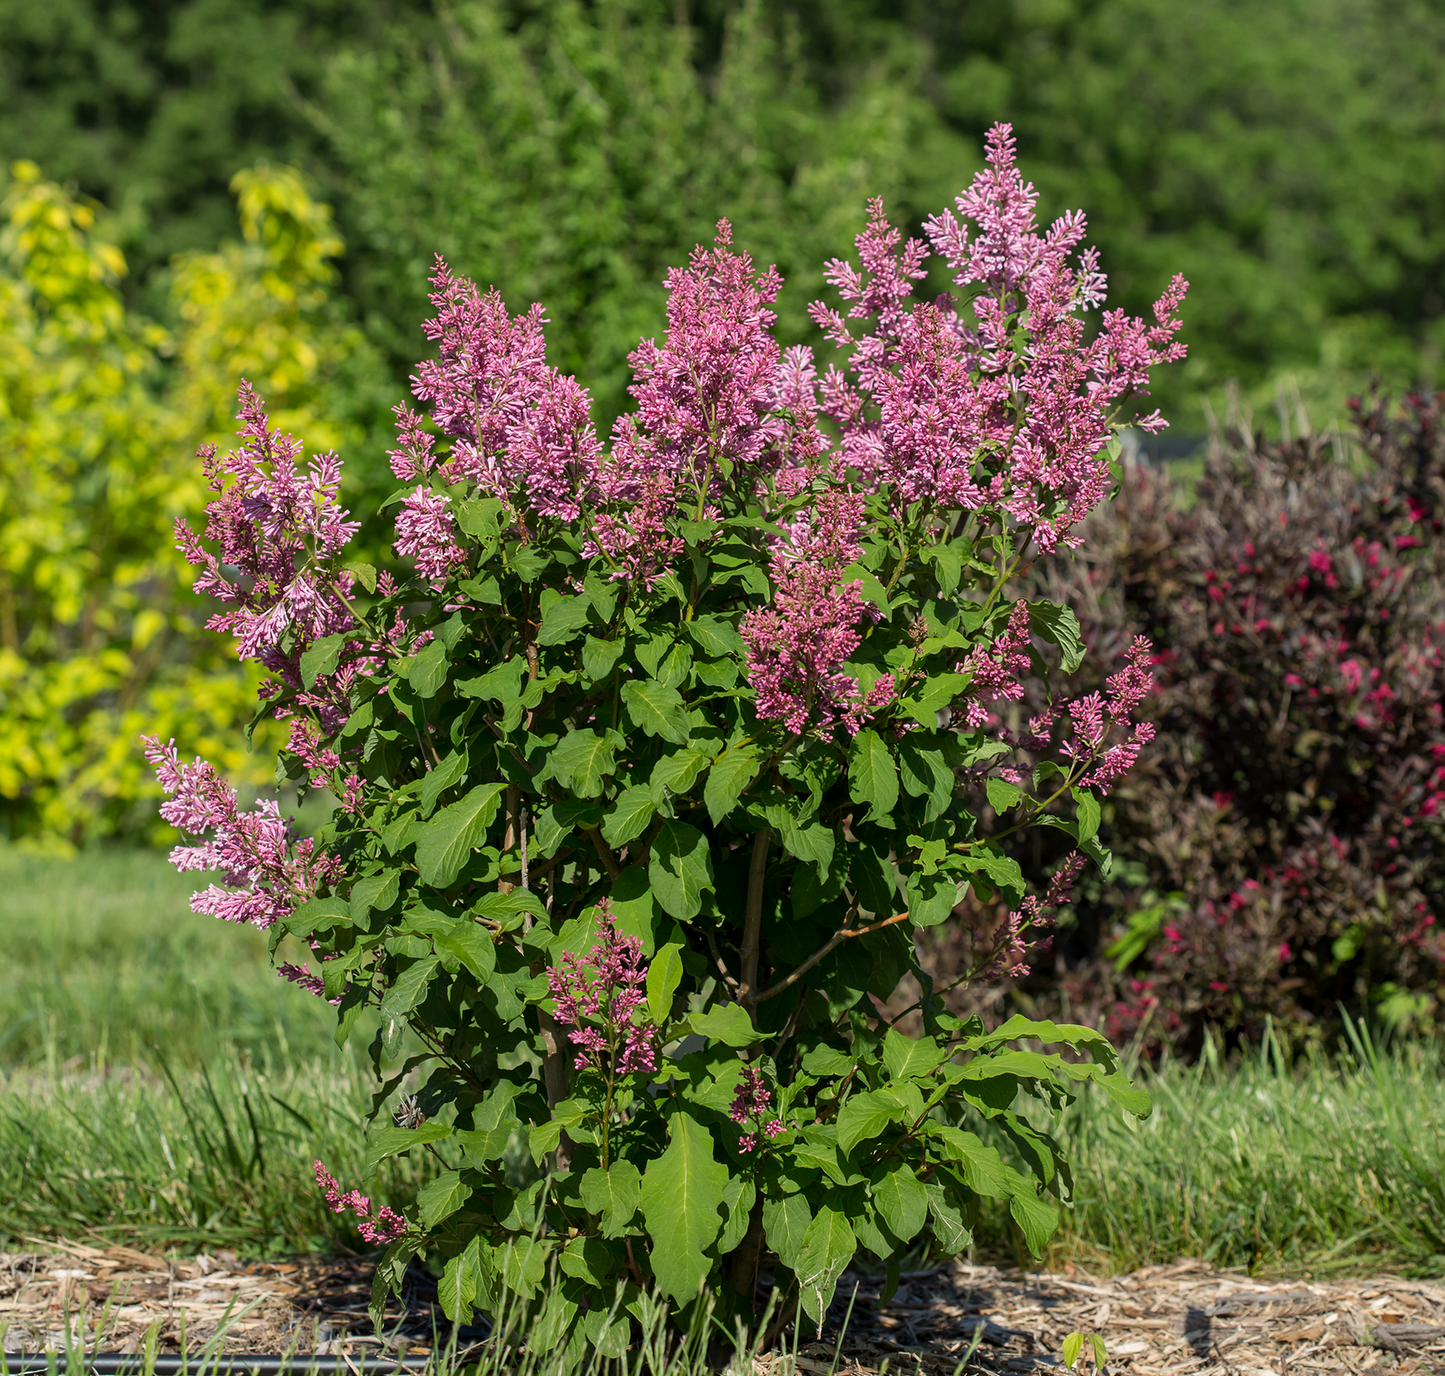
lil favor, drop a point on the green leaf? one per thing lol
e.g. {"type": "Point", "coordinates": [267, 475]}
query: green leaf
{"type": "Point", "coordinates": [950, 1230]}
{"type": "Point", "coordinates": [674, 775]}
{"type": "Point", "coordinates": [408, 990]}
{"type": "Point", "coordinates": [322, 658]}
{"type": "Point", "coordinates": [984, 1171]}
{"type": "Point", "coordinates": [872, 777]}
{"type": "Point", "coordinates": [600, 656]}
{"type": "Point", "coordinates": [680, 869]}
{"type": "Point", "coordinates": [729, 1025]}
{"type": "Point", "coordinates": [864, 1116]}
{"type": "Point", "coordinates": [828, 1247]}
{"type": "Point", "coordinates": [365, 574]}
{"type": "Point", "coordinates": [450, 837]}
{"type": "Point", "coordinates": [1089, 813]}
{"type": "Point", "coordinates": [457, 1289]}
{"type": "Point", "coordinates": [1037, 1218]}
{"type": "Point", "coordinates": [630, 815]}
{"type": "Point", "coordinates": [904, 1057]}
{"type": "Point", "coordinates": [901, 1199]}
{"type": "Point", "coordinates": [504, 683]}
{"type": "Point", "coordinates": [1073, 1345]}
{"type": "Point", "coordinates": [391, 1140]}
{"type": "Point", "coordinates": [664, 974]}
{"type": "Point", "coordinates": [1002, 795]}
{"type": "Point", "coordinates": [714, 637]}
{"type": "Point", "coordinates": [926, 774]}
{"type": "Point", "coordinates": [472, 945]}
{"type": "Point", "coordinates": [931, 898]}
{"type": "Point", "coordinates": [558, 821]}
{"type": "Point", "coordinates": [450, 772]}
{"type": "Point", "coordinates": [441, 1198]}
{"type": "Point", "coordinates": [1059, 626]}
{"type": "Point", "coordinates": [813, 844]}
{"type": "Point", "coordinates": [614, 1194]}
{"type": "Point", "coordinates": [681, 1195]}
{"type": "Point", "coordinates": [427, 670]}
{"type": "Point", "coordinates": [656, 709]}
{"type": "Point", "coordinates": [948, 565]}
{"type": "Point", "coordinates": [581, 761]}
{"type": "Point", "coordinates": [785, 1224]}
{"type": "Point", "coordinates": [1003, 870]}
{"type": "Point", "coordinates": [739, 1197]}
{"type": "Point", "coordinates": [563, 619]}
{"type": "Point", "coordinates": [527, 563]}
{"type": "Point", "coordinates": [730, 775]}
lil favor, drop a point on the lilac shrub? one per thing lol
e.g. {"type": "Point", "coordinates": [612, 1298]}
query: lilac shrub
{"type": "Point", "coordinates": [654, 761]}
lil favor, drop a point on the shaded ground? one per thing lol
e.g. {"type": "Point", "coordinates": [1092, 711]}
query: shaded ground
{"type": "Point", "coordinates": [1186, 1318]}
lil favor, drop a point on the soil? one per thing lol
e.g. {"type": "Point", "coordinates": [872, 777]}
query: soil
{"type": "Point", "coordinates": [1185, 1318]}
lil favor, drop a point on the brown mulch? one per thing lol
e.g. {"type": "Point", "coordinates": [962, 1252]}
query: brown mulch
{"type": "Point", "coordinates": [1185, 1318]}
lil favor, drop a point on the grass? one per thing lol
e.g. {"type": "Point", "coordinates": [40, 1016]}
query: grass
{"type": "Point", "coordinates": [102, 963]}
{"type": "Point", "coordinates": [160, 1086]}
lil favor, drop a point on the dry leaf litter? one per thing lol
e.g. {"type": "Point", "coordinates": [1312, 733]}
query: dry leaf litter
{"type": "Point", "coordinates": [1184, 1318]}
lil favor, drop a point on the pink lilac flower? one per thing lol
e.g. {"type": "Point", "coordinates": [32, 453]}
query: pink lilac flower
{"type": "Point", "coordinates": [300, 976]}
{"type": "Point", "coordinates": [425, 534]}
{"type": "Point", "coordinates": [520, 430]}
{"type": "Point", "coordinates": [998, 669]}
{"type": "Point", "coordinates": [794, 647]}
{"type": "Point", "coordinates": [1011, 941]}
{"type": "Point", "coordinates": [969, 413]}
{"type": "Point", "coordinates": [279, 535]}
{"type": "Point", "coordinates": [269, 871]}
{"type": "Point", "coordinates": [750, 1106]}
{"type": "Point", "coordinates": [379, 1228]}
{"type": "Point", "coordinates": [707, 395]}
{"type": "Point", "coordinates": [597, 994]}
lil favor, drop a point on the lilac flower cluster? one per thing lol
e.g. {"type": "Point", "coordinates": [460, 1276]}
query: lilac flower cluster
{"type": "Point", "coordinates": [597, 994]}
{"type": "Point", "coordinates": [386, 1225]}
{"type": "Point", "coordinates": [795, 646]}
{"type": "Point", "coordinates": [270, 871]}
{"type": "Point", "coordinates": [998, 669]}
{"type": "Point", "coordinates": [282, 531]}
{"type": "Point", "coordinates": [751, 1105]}
{"type": "Point", "coordinates": [1011, 941]}
{"type": "Point", "coordinates": [954, 411]}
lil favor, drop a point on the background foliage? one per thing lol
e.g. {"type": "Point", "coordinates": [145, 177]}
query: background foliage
{"type": "Point", "coordinates": [1286, 157]}
{"type": "Point", "coordinates": [100, 410]}
{"type": "Point", "coordinates": [1283, 831]}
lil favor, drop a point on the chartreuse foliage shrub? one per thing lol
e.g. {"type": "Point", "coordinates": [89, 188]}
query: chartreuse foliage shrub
{"type": "Point", "coordinates": [97, 637]}
{"type": "Point", "coordinates": [650, 770]}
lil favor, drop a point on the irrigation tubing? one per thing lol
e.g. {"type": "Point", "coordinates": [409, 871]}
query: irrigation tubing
{"type": "Point", "coordinates": [223, 1364]}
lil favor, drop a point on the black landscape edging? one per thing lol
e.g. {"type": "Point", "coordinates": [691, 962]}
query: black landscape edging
{"type": "Point", "coordinates": [169, 1364]}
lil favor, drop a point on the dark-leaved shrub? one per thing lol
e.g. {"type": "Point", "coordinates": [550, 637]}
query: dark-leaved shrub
{"type": "Point", "coordinates": [1280, 842]}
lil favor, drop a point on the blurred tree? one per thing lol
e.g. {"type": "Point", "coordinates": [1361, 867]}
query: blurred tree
{"type": "Point", "coordinates": [570, 153]}
{"type": "Point", "coordinates": [1288, 157]}
{"type": "Point", "coordinates": [100, 412]}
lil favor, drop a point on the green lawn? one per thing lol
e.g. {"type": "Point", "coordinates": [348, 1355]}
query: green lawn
{"type": "Point", "coordinates": [160, 1085]}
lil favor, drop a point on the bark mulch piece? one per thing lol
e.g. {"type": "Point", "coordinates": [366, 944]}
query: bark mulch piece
{"type": "Point", "coordinates": [1161, 1321]}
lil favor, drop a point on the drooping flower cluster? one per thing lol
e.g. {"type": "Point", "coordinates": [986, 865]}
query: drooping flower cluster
{"type": "Point", "coordinates": [596, 995]}
{"type": "Point", "coordinates": [379, 1228]}
{"type": "Point", "coordinates": [964, 414]}
{"type": "Point", "coordinates": [795, 647]}
{"type": "Point", "coordinates": [751, 1106]}
{"type": "Point", "coordinates": [282, 531]}
{"type": "Point", "coordinates": [1021, 928]}
{"type": "Point", "coordinates": [271, 872]}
